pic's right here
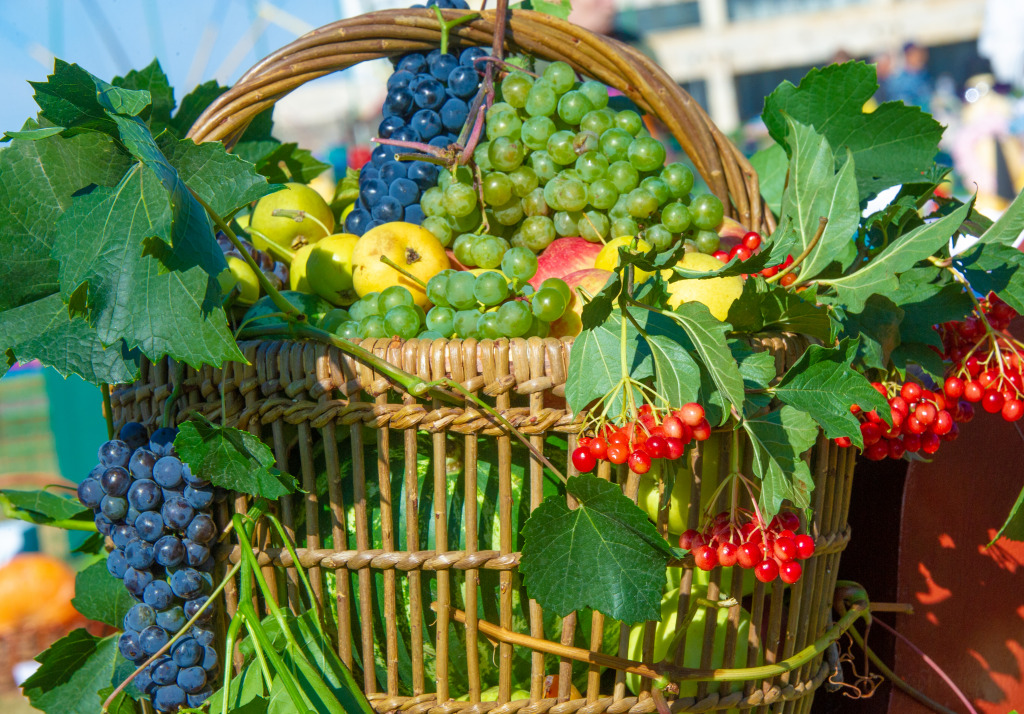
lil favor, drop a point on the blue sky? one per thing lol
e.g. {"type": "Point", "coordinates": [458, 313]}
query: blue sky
{"type": "Point", "coordinates": [110, 37]}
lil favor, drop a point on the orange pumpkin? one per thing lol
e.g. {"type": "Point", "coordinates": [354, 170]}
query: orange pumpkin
{"type": "Point", "coordinates": [35, 592]}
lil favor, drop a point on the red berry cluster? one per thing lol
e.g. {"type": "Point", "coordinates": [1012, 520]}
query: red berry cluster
{"type": "Point", "coordinates": [986, 362]}
{"type": "Point", "coordinates": [921, 421]}
{"type": "Point", "coordinates": [772, 551]}
{"type": "Point", "coordinates": [746, 248]}
{"type": "Point", "coordinates": [654, 435]}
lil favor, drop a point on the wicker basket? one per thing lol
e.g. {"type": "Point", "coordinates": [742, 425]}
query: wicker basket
{"type": "Point", "coordinates": [431, 511]}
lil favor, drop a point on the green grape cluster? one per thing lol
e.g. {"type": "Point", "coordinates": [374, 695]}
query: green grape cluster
{"type": "Point", "coordinates": [558, 161]}
{"type": "Point", "coordinates": [486, 306]}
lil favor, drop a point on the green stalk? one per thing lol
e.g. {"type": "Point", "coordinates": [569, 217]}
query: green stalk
{"type": "Point", "coordinates": [299, 569]}
{"type": "Point", "coordinates": [229, 647]}
{"type": "Point", "coordinates": [259, 636]}
{"type": "Point", "coordinates": [179, 376]}
{"type": "Point", "coordinates": [278, 299]}
{"type": "Point", "coordinates": [108, 410]}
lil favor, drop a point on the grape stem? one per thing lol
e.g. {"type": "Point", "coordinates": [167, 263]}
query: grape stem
{"type": "Point", "coordinates": [179, 377]}
{"type": "Point", "coordinates": [108, 410]}
{"type": "Point", "coordinates": [507, 66]}
{"type": "Point", "coordinates": [447, 25]}
{"type": "Point", "coordinates": [390, 263]}
{"type": "Point", "coordinates": [822, 222]}
{"type": "Point", "coordinates": [275, 295]}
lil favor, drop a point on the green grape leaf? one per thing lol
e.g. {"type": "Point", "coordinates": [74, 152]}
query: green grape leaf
{"type": "Point", "coordinates": [225, 181]}
{"type": "Point", "coordinates": [1013, 528]}
{"type": "Point", "coordinates": [605, 554]}
{"type": "Point", "coordinates": [232, 459]}
{"type": "Point", "coordinates": [287, 162]}
{"type": "Point", "coordinates": [1009, 226]}
{"type": "Point", "coordinates": [192, 105]}
{"type": "Point", "coordinates": [878, 328]}
{"type": "Point", "coordinates": [121, 704]}
{"type": "Point", "coordinates": [114, 251]}
{"type": "Point", "coordinates": [597, 309]}
{"type": "Point", "coordinates": [926, 301]}
{"type": "Point", "coordinates": [559, 8]}
{"type": "Point", "coordinates": [39, 178]}
{"type": "Point", "coordinates": [881, 274]}
{"type": "Point", "coordinates": [44, 330]}
{"type": "Point", "coordinates": [676, 373]}
{"type": "Point", "coordinates": [74, 670]}
{"type": "Point", "coordinates": [889, 146]}
{"type": "Point", "coordinates": [817, 190]}
{"type": "Point", "coordinates": [779, 440]}
{"type": "Point", "coordinates": [995, 267]}
{"type": "Point", "coordinates": [771, 308]}
{"type": "Point", "coordinates": [707, 334]}
{"type": "Point", "coordinates": [33, 134]}
{"type": "Point", "coordinates": [771, 164]}
{"type": "Point", "coordinates": [153, 80]}
{"type": "Point", "coordinates": [92, 545]}
{"type": "Point", "coordinates": [758, 371]}
{"type": "Point", "coordinates": [596, 365]}
{"type": "Point", "coordinates": [73, 98]}
{"type": "Point", "coordinates": [823, 384]}
{"type": "Point", "coordinates": [100, 596]}
{"type": "Point", "coordinates": [42, 506]}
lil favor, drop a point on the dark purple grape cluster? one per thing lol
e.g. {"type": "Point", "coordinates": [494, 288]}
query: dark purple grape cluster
{"type": "Point", "coordinates": [158, 515]}
{"type": "Point", "coordinates": [428, 102]}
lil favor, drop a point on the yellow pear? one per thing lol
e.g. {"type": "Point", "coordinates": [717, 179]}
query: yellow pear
{"type": "Point", "coordinates": [717, 293]}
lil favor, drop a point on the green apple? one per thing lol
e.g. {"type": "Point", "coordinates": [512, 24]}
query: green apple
{"type": "Point", "coordinates": [239, 274]}
{"type": "Point", "coordinates": [328, 268]}
{"type": "Point", "coordinates": [284, 221]}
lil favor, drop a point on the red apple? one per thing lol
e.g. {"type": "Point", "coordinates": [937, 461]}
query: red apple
{"type": "Point", "coordinates": [591, 280]}
{"type": "Point", "coordinates": [563, 257]}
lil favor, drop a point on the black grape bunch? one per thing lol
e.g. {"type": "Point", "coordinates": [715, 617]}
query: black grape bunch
{"type": "Point", "coordinates": [158, 515]}
{"type": "Point", "coordinates": [428, 102]}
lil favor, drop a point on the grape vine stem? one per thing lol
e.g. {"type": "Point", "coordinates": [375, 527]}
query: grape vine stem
{"type": "Point", "coordinates": [822, 222]}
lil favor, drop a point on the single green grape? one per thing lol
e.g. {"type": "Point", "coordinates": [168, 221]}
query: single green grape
{"type": "Point", "coordinates": [498, 108]}
{"type": "Point", "coordinates": [561, 76]}
{"type": "Point", "coordinates": [520, 264]}
{"type": "Point", "coordinates": [349, 330]}
{"type": "Point", "coordinates": [515, 88]}
{"type": "Point", "coordinates": [656, 186]}
{"type": "Point", "coordinates": [524, 179]}
{"type": "Point", "coordinates": [508, 213]}
{"type": "Point", "coordinates": [333, 319]}
{"type": "Point", "coordinates": [441, 320]}
{"type": "Point", "coordinates": [440, 228]}
{"type": "Point", "coordinates": [602, 194]}
{"type": "Point", "coordinates": [465, 323]}
{"type": "Point", "coordinates": [538, 328]}
{"type": "Point", "coordinates": [543, 165]}
{"type": "Point", "coordinates": [459, 199]}
{"type": "Point", "coordinates": [437, 288]}
{"type": "Point", "coordinates": [514, 318]}
{"type": "Point", "coordinates": [621, 207]}
{"type": "Point", "coordinates": [504, 124]}
{"type": "Point", "coordinates": [573, 106]}
{"type": "Point", "coordinates": [463, 248]}
{"type": "Point", "coordinates": [402, 321]}
{"type": "Point", "coordinates": [430, 335]}
{"type": "Point", "coordinates": [646, 154]}
{"type": "Point", "coordinates": [506, 154]}
{"type": "Point", "coordinates": [463, 224]}
{"type": "Point", "coordinates": [548, 304]}
{"type": "Point", "coordinates": [487, 326]}
{"type": "Point", "coordinates": [629, 121]}
{"type": "Point", "coordinates": [361, 307]}
{"type": "Point", "coordinates": [460, 290]}
{"type": "Point", "coordinates": [481, 157]}
{"type": "Point", "coordinates": [445, 179]}
{"type": "Point", "coordinates": [598, 121]}
{"type": "Point", "coordinates": [624, 227]}
{"type": "Point", "coordinates": [676, 217]}
{"type": "Point", "coordinates": [594, 226]}
{"type": "Point", "coordinates": [560, 286]}
{"type": "Point", "coordinates": [488, 251]}
{"type": "Point", "coordinates": [658, 236]}
{"type": "Point", "coordinates": [541, 100]}
{"type": "Point", "coordinates": [678, 178]}
{"type": "Point", "coordinates": [614, 144]}
{"type": "Point", "coordinates": [560, 147]}
{"type": "Point", "coordinates": [372, 327]}
{"type": "Point", "coordinates": [566, 223]}
{"type": "Point", "coordinates": [596, 92]}
{"type": "Point", "coordinates": [641, 203]}
{"type": "Point", "coordinates": [586, 141]}
{"type": "Point", "coordinates": [572, 194]}
{"type": "Point", "coordinates": [592, 166]}
{"type": "Point", "coordinates": [432, 202]}
{"type": "Point", "coordinates": [490, 288]}
{"type": "Point", "coordinates": [623, 175]}
{"type": "Point", "coordinates": [707, 212]}
{"type": "Point", "coordinates": [497, 188]}
{"type": "Point", "coordinates": [393, 296]}
{"type": "Point", "coordinates": [536, 131]}
{"type": "Point", "coordinates": [707, 241]}
{"type": "Point", "coordinates": [535, 205]}
{"type": "Point", "coordinates": [537, 232]}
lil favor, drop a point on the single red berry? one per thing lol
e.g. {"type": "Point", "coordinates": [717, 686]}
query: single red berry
{"type": "Point", "coordinates": [952, 434]}
{"type": "Point", "coordinates": [639, 462]}
{"type": "Point", "coordinates": [785, 281]}
{"type": "Point", "coordinates": [790, 572]}
{"type": "Point", "coordinates": [896, 449]}
{"type": "Point", "coordinates": [620, 437]}
{"type": "Point", "coordinates": [973, 365]}
{"type": "Point", "coordinates": [870, 433]}
{"type": "Point", "coordinates": [973, 391]}
{"type": "Point", "coordinates": [992, 401]}
{"type": "Point", "coordinates": [749, 555]}
{"type": "Point", "coordinates": [911, 391]}
{"type": "Point", "coordinates": [686, 539]}
{"type": "Point", "coordinates": [766, 571]}
{"type": "Point", "coordinates": [913, 425]}
{"type": "Point", "coordinates": [742, 252]}
{"type": "Point", "coordinates": [925, 413]}
{"type": "Point", "coordinates": [855, 409]}
{"type": "Point", "coordinates": [675, 447]}
{"type": "Point", "coordinates": [656, 447]}
{"type": "Point", "coordinates": [583, 460]}
{"type": "Point", "coordinates": [804, 546]}
{"type": "Point", "coordinates": [988, 378]}
{"type": "Point", "coordinates": [966, 412]}
{"type": "Point", "coordinates": [912, 443]}
{"type": "Point", "coordinates": [930, 442]}
{"type": "Point", "coordinates": [943, 422]}
{"type": "Point", "coordinates": [721, 255]}
{"type": "Point", "coordinates": [618, 453]}
{"type": "Point", "coordinates": [877, 451]}
{"type": "Point", "coordinates": [705, 557]}
{"type": "Point", "coordinates": [770, 272]}
{"type": "Point", "coordinates": [702, 431]}
{"type": "Point", "coordinates": [844, 442]}
{"type": "Point", "coordinates": [673, 426]}
{"type": "Point", "coordinates": [752, 240]}
{"type": "Point", "coordinates": [691, 413]}
{"type": "Point", "coordinates": [900, 404]}
{"type": "Point", "coordinates": [784, 549]}
{"type": "Point", "coordinates": [727, 554]}
{"type": "Point", "coordinates": [789, 520]}
{"type": "Point", "coordinates": [1013, 409]}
